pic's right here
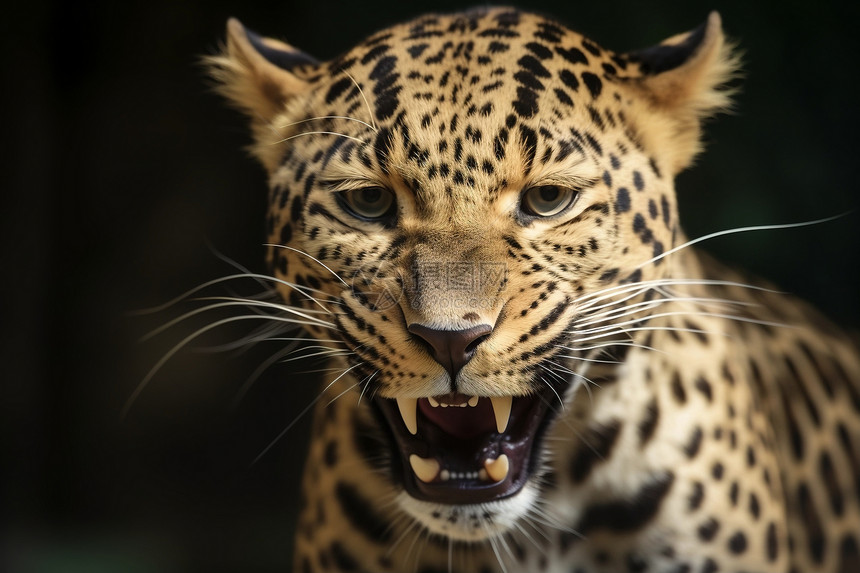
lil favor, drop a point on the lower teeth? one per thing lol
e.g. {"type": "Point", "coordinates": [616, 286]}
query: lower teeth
{"type": "Point", "coordinates": [427, 470]}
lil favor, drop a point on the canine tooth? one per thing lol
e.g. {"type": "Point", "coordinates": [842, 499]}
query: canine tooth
{"type": "Point", "coordinates": [433, 401]}
{"type": "Point", "coordinates": [502, 410]}
{"type": "Point", "coordinates": [426, 469]}
{"type": "Point", "coordinates": [409, 412]}
{"type": "Point", "coordinates": [497, 469]}
{"type": "Point", "coordinates": [473, 401]}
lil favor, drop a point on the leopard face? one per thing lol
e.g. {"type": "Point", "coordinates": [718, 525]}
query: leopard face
{"type": "Point", "coordinates": [462, 196]}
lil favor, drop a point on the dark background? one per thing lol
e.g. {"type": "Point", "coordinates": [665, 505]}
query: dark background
{"type": "Point", "coordinates": [125, 173]}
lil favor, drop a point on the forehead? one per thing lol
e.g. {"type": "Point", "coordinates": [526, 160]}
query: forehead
{"type": "Point", "coordinates": [485, 90]}
{"type": "Point", "coordinates": [474, 61]}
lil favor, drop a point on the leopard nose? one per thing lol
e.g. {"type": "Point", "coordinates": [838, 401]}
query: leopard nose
{"type": "Point", "coordinates": [452, 348]}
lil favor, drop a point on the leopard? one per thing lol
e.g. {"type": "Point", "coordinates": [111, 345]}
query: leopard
{"type": "Point", "coordinates": [472, 216]}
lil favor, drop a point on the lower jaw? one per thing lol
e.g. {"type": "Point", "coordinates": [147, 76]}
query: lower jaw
{"type": "Point", "coordinates": [470, 523]}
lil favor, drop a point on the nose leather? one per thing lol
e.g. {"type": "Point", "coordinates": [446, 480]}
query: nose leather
{"type": "Point", "coordinates": [452, 348]}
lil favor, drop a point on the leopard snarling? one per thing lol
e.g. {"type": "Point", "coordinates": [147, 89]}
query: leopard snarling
{"type": "Point", "coordinates": [475, 213]}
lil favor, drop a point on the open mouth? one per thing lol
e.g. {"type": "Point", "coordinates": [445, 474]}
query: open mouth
{"type": "Point", "coordinates": [460, 449]}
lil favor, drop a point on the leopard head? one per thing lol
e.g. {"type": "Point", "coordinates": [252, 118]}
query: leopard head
{"type": "Point", "coordinates": [466, 203]}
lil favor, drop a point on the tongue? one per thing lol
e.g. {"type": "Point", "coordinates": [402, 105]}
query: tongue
{"type": "Point", "coordinates": [466, 422]}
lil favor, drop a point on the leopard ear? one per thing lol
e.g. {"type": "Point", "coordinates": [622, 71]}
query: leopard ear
{"type": "Point", "coordinates": [260, 76]}
{"type": "Point", "coordinates": [685, 78]}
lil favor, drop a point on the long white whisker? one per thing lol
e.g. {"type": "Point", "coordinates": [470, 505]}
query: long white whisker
{"type": "Point", "coordinates": [406, 531]}
{"type": "Point", "coordinates": [186, 294]}
{"type": "Point", "coordinates": [267, 336]}
{"type": "Point", "coordinates": [526, 534]}
{"type": "Point", "coordinates": [324, 352]}
{"type": "Point", "coordinates": [609, 344]}
{"type": "Point", "coordinates": [232, 263]}
{"type": "Point", "coordinates": [309, 320]}
{"type": "Point", "coordinates": [302, 134]}
{"type": "Point", "coordinates": [683, 313]}
{"type": "Point", "coordinates": [649, 329]}
{"type": "Point", "coordinates": [345, 392]}
{"type": "Point", "coordinates": [614, 313]}
{"type": "Point", "coordinates": [246, 385]}
{"type": "Point", "coordinates": [169, 354]}
{"type": "Point", "coordinates": [302, 414]}
{"type": "Point", "coordinates": [250, 302]}
{"type": "Point", "coordinates": [560, 401]}
{"type": "Point", "coordinates": [626, 310]}
{"type": "Point", "coordinates": [366, 103]}
{"type": "Point", "coordinates": [583, 359]}
{"type": "Point", "coordinates": [740, 230]}
{"type": "Point", "coordinates": [310, 119]}
{"type": "Point", "coordinates": [366, 386]}
{"type": "Point", "coordinates": [334, 274]}
{"type": "Point", "coordinates": [609, 301]}
{"type": "Point", "coordinates": [609, 292]}
{"type": "Point", "coordinates": [495, 548]}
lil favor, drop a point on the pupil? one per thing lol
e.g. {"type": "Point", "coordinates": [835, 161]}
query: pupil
{"type": "Point", "coordinates": [371, 195]}
{"type": "Point", "coordinates": [549, 193]}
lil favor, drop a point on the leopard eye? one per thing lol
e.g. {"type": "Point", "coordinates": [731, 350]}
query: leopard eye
{"type": "Point", "coordinates": [370, 203]}
{"type": "Point", "coordinates": [547, 200]}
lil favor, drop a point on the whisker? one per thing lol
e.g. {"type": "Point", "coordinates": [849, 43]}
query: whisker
{"type": "Point", "coordinates": [503, 541]}
{"type": "Point", "coordinates": [265, 365]}
{"type": "Point", "coordinates": [366, 103]}
{"type": "Point", "coordinates": [609, 344]}
{"type": "Point", "coordinates": [235, 264]}
{"type": "Point", "coordinates": [495, 549]}
{"type": "Point", "coordinates": [265, 336]}
{"type": "Point", "coordinates": [250, 302]}
{"type": "Point", "coordinates": [344, 393]}
{"type": "Point", "coordinates": [310, 320]}
{"type": "Point", "coordinates": [406, 531]}
{"type": "Point", "coordinates": [334, 274]}
{"type": "Point", "coordinates": [543, 518]}
{"type": "Point", "coordinates": [609, 292]}
{"type": "Point", "coordinates": [188, 293]}
{"type": "Point", "coordinates": [560, 401]}
{"type": "Point", "coordinates": [302, 414]}
{"type": "Point", "coordinates": [527, 535]}
{"type": "Point", "coordinates": [302, 134]}
{"type": "Point", "coordinates": [366, 386]}
{"type": "Point", "coordinates": [333, 352]}
{"type": "Point", "coordinates": [626, 310]}
{"type": "Point", "coordinates": [688, 314]}
{"type": "Point", "coordinates": [583, 359]}
{"type": "Point", "coordinates": [740, 230]}
{"type": "Point", "coordinates": [322, 117]}
{"type": "Point", "coordinates": [650, 329]}
{"type": "Point", "coordinates": [199, 332]}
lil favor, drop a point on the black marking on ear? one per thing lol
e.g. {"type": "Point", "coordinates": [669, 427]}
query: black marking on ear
{"type": "Point", "coordinates": [661, 58]}
{"type": "Point", "coordinates": [282, 59]}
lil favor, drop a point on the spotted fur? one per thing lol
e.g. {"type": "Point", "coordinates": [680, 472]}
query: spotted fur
{"type": "Point", "coordinates": [701, 421]}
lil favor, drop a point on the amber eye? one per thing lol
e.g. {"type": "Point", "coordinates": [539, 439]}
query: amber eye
{"type": "Point", "coordinates": [371, 203]}
{"type": "Point", "coordinates": [547, 200]}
